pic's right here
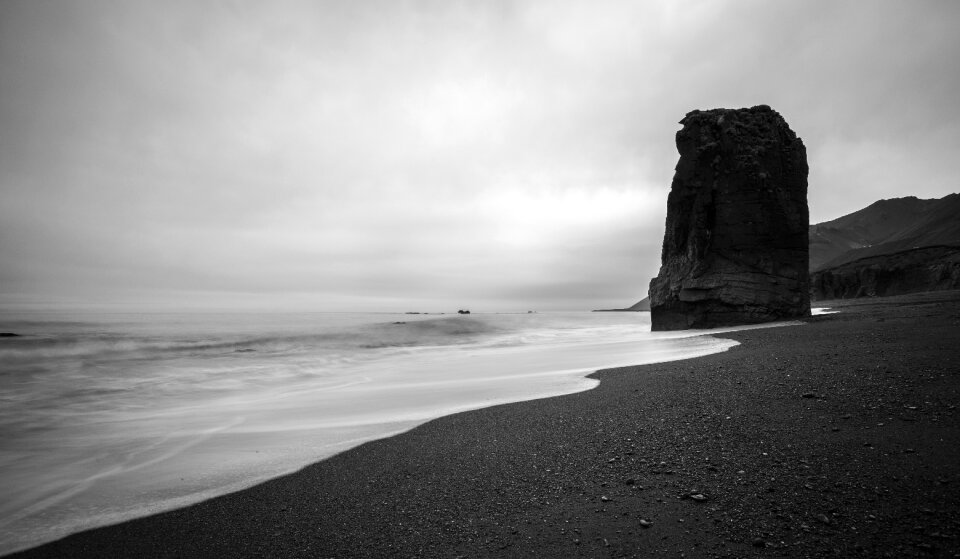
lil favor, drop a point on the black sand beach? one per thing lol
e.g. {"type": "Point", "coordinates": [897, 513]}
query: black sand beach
{"type": "Point", "coordinates": [839, 437]}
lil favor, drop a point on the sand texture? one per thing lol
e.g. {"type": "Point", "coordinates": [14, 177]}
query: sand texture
{"type": "Point", "coordinates": [840, 437]}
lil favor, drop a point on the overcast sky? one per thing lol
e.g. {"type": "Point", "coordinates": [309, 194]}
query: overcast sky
{"type": "Point", "coordinates": [404, 155]}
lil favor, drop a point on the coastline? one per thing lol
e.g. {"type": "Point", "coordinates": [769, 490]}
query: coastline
{"type": "Point", "coordinates": [837, 437]}
{"type": "Point", "coordinates": [101, 468]}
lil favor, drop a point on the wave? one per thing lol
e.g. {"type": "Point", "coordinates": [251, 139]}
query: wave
{"type": "Point", "coordinates": [378, 335]}
{"type": "Point", "coordinates": [142, 413]}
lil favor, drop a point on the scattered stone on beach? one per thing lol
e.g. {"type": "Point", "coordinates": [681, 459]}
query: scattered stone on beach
{"type": "Point", "coordinates": [736, 247]}
{"type": "Point", "coordinates": [694, 494]}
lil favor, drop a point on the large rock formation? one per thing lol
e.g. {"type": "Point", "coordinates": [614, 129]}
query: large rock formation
{"type": "Point", "coordinates": [736, 244]}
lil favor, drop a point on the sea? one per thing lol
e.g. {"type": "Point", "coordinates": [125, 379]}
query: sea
{"type": "Point", "coordinates": [110, 416]}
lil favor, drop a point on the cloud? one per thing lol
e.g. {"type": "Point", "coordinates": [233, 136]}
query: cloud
{"type": "Point", "coordinates": [360, 154]}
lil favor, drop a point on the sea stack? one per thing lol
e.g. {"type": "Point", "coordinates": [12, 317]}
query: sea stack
{"type": "Point", "coordinates": [736, 248]}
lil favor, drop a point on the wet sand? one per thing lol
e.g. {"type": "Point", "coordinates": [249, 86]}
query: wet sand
{"type": "Point", "coordinates": [840, 437]}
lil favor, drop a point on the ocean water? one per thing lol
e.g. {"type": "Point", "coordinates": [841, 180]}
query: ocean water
{"type": "Point", "coordinates": [105, 417]}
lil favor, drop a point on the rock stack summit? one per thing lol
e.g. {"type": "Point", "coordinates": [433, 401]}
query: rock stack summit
{"type": "Point", "coordinates": [736, 247]}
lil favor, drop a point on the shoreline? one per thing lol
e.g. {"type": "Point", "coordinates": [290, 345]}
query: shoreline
{"type": "Point", "coordinates": [840, 436]}
{"type": "Point", "coordinates": [311, 425]}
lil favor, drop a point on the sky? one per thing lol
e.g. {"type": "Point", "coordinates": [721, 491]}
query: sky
{"type": "Point", "coordinates": [425, 155]}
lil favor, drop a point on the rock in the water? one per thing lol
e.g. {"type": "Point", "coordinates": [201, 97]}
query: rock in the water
{"type": "Point", "coordinates": [736, 244]}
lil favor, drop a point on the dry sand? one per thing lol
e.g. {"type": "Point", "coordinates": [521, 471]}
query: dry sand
{"type": "Point", "coordinates": [840, 437]}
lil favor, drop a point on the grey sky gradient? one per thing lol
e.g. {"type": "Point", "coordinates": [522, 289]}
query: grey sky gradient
{"type": "Point", "coordinates": [364, 155]}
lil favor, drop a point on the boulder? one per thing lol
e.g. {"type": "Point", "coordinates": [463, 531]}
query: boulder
{"type": "Point", "coordinates": [736, 247]}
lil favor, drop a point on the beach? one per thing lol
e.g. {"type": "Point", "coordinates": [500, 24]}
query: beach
{"type": "Point", "coordinates": [836, 437]}
{"type": "Point", "coordinates": [110, 417]}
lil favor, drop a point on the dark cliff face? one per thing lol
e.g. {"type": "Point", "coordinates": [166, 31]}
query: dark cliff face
{"type": "Point", "coordinates": [736, 244]}
{"type": "Point", "coordinates": [891, 247]}
{"type": "Point", "coordinates": [911, 271]}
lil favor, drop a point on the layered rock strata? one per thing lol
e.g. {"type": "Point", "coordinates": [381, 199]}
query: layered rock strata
{"type": "Point", "coordinates": [911, 271]}
{"type": "Point", "coordinates": [736, 247]}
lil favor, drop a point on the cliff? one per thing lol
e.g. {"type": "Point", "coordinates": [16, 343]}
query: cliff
{"type": "Point", "coordinates": [735, 249]}
{"type": "Point", "coordinates": [922, 269]}
{"type": "Point", "coordinates": [892, 247]}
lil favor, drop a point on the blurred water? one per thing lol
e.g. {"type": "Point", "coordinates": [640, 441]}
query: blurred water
{"type": "Point", "coordinates": [106, 417]}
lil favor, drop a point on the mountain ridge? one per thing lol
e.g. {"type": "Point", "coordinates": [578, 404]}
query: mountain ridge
{"type": "Point", "coordinates": [891, 247]}
{"type": "Point", "coordinates": [884, 227]}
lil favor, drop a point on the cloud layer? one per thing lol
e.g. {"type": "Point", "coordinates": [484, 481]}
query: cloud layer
{"type": "Point", "coordinates": [424, 155]}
